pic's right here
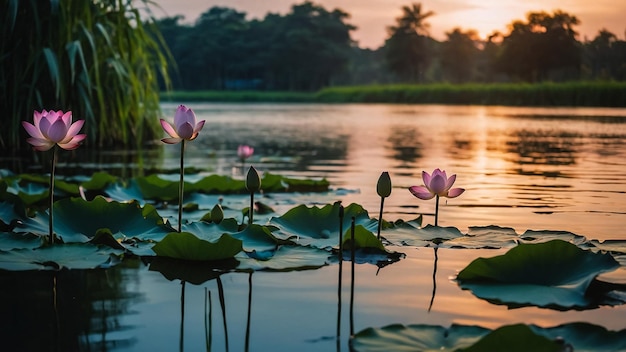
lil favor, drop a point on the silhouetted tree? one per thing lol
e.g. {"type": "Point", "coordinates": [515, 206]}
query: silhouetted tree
{"type": "Point", "coordinates": [407, 48]}
{"type": "Point", "coordinates": [458, 55]}
{"type": "Point", "coordinates": [541, 46]}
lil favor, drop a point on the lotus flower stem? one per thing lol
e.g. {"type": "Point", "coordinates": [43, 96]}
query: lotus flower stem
{"type": "Point", "coordinates": [380, 217]}
{"type": "Point", "coordinates": [247, 343]}
{"type": "Point", "coordinates": [251, 209]}
{"type": "Point", "coordinates": [182, 316]}
{"type": "Point", "coordinates": [341, 216]}
{"type": "Point", "coordinates": [181, 185]}
{"type": "Point", "coordinates": [352, 256]}
{"type": "Point", "coordinates": [208, 319]}
{"type": "Point", "coordinates": [432, 298]}
{"type": "Point", "coordinates": [436, 209]}
{"type": "Point", "coordinates": [220, 291]}
{"type": "Point", "coordinates": [51, 195]}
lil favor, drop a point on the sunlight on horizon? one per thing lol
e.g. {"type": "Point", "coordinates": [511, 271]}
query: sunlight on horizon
{"type": "Point", "coordinates": [372, 17]}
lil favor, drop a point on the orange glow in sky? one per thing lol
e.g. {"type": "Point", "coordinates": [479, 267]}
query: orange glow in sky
{"type": "Point", "coordinates": [372, 17]}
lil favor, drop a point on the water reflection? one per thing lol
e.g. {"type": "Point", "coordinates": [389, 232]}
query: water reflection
{"type": "Point", "coordinates": [67, 310]}
{"type": "Point", "coordinates": [544, 148]}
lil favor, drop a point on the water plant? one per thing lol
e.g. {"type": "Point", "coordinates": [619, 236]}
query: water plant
{"type": "Point", "coordinates": [185, 128]}
{"type": "Point", "coordinates": [383, 188]}
{"type": "Point", "coordinates": [436, 185]}
{"type": "Point", "coordinates": [52, 129]}
{"type": "Point", "coordinates": [243, 153]}
{"type": "Point", "coordinates": [253, 184]}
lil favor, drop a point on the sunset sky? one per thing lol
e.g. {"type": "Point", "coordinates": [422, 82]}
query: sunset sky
{"type": "Point", "coordinates": [372, 17]}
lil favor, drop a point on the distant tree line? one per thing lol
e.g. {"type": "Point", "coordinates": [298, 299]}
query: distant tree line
{"type": "Point", "coordinates": [310, 48]}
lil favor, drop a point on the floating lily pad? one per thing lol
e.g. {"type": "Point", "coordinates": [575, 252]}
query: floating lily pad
{"type": "Point", "coordinates": [59, 256]}
{"type": "Point", "coordinates": [533, 236]}
{"type": "Point", "coordinates": [554, 274]}
{"type": "Point", "coordinates": [9, 241]}
{"type": "Point", "coordinates": [319, 227]}
{"type": "Point", "coordinates": [518, 337]}
{"type": "Point", "coordinates": [614, 246]}
{"type": "Point", "coordinates": [185, 245]}
{"type": "Point", "coordinates": [485, 237]}
{"type": "Point", "coordinates": [410, 234]}
{"type": "Point", "coordinates": [417, 337]}
{"type": "Point", "coordinates": [78, 220]}
{"type": "Point", "coordinates": [287, 258]}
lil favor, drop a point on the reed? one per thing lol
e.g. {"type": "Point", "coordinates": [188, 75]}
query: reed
{"type": "Point", "coordinates": [238, 96]}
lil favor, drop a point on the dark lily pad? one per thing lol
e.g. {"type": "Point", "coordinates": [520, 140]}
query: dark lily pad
{"type": "Point", "coordinates": [195, 272]}
{"type": "Point", "coordinates": [417, 337]}
{"type": "Point", "coordinates": [185, 245]}
{"type": "Point", "coordinates": [319, 227]}
{"type": "Point", "coordinates": [9, 241]}
{"type": "Point", "coordinates": [70, 256]}
{"type": "Point", "coordinates": [576, 336]}
{"type": "Point", "coordinates": [78, 220]}
{"type": "Point", "coordinates": [554, 274]}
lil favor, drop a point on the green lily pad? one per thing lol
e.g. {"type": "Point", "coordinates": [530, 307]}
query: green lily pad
{"type": "Point", "coordinates": [319, 227]}
{"type": "Point", "coordinates": [287, 258]}
{"type": "Point", "coordinates": [78, 220]}
{"type": "Point", "coordinates": [9, 241]}
{"type": "Point", "coordinates": [554, 274]}
{"type": "Point", "coordinates": [362, 239]}
{"type": "Point", "coordinates": [99, 181]}
{"type": "Point", "coordinates": [185, 245]}
{"type": "Point", "coordinates": [59, 256]}
{"type": "Point", "coordinates": [417, 337]}
{"type": "Point", "coordinates": [258, 238]}
{"type": "Point", "coordinates": [278, 183]}
{"type": "Point", "coordinates": [514, 338]}
{"type": "Point", "coordinates": [577, 336]}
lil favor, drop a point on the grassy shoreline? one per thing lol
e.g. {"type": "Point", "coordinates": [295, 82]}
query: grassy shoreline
{"type": "Point", "coordinates": [587, 94]}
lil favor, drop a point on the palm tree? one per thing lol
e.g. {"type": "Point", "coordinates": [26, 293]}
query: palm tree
{"type": "Point", "coordinates": [407, 51]}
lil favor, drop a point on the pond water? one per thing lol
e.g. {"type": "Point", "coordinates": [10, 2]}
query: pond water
{"type": "Point", "coordinates": [559, 169]}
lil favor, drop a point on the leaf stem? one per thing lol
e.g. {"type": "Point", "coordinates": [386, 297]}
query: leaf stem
{"type": "Point", "coordinates": [251, 209]}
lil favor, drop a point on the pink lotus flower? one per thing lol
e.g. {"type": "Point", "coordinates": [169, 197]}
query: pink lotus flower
{"type": "Point", "coordinates": [54, 127]}
{"type": "Point", "coordinates": [244, 152]}
{"type": "Point", "coordinates": [184, 128]}
{"type": "Point", "coordinates": [437, 184]}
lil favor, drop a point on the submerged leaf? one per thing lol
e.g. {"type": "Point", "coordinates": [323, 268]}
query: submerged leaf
{"type": "Point", "coordinates": [287, 258]}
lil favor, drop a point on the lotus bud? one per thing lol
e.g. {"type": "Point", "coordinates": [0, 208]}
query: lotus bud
{"type": "Point", "coordinates": [217, 214]}
{"type": "Point", "coordinates": [253, 181]}
{"type": "Point", "coordinates": [383, 188]}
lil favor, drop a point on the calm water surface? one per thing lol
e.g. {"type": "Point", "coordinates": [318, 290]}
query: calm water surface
{"type": "Point", "coordinates": [525, 168]}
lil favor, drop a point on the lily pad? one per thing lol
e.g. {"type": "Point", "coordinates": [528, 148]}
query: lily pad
{"type": "Point", "coordinates": [417, 337]}
{"type": "Point", "coordinates": [9, 241]}
{"type": "Point", "coordinates": [410, 234]}
{"type": "Point", "coordinates": [554, 274]}
{"type": "Point", "coordinates": [185, 245]}
{"type": "Point", "coordinates": [485, 237]}
{"type": "Point", "coordinates": [533, 236]}
{"type": "Point", "coordinates": [287, 258]}
{"type": "Point", "coordinates": [78, 220]}
{"type": "Point", "coordinates": [70, 256]}
{"type": "Point", "coordinates": [576, 336]}
{"type": "Point", "coordinates": [319, 227]}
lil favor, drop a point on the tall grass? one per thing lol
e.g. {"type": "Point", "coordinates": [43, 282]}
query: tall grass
{"type": "Point", "coordinates": [97, 58]}
{"type": "Point", "coordinates": [608, 94]}
{"type": "Point", "coordinates": [238, 96]}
